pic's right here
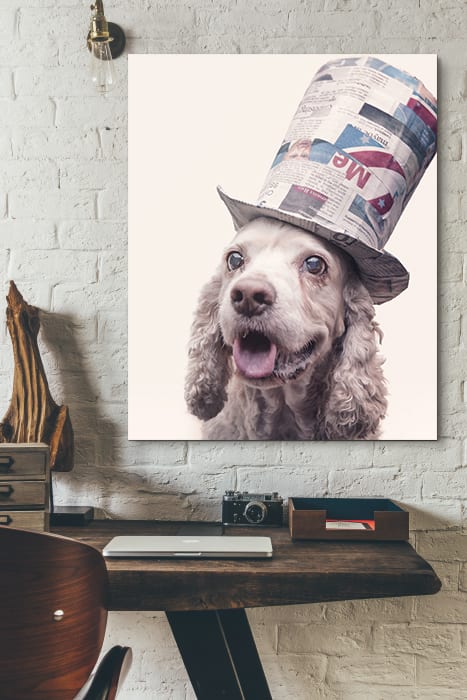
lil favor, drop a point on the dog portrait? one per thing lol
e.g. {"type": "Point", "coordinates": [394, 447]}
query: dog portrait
{"type": "Point", "coordinates": [247, 322]}
{"type": "Point", "coordinates": [285, 345]}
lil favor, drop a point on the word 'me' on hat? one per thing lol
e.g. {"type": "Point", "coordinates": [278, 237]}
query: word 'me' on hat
{"type": "Point", "coordinates": [358, 145]}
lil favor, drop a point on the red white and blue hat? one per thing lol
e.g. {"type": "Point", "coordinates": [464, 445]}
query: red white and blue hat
{"type": "Point", "coordinates": [358, 145]}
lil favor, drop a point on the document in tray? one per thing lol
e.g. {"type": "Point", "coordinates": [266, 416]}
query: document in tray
{"type": "Point", "coordinates": [349, 525]}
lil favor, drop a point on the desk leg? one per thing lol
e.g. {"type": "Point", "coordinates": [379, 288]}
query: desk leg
{"type": "Point", "coordinates": [220, 654]}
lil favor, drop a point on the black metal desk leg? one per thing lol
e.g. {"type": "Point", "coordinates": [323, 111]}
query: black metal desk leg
{"type": "Point", "coordinates": [220, 654]}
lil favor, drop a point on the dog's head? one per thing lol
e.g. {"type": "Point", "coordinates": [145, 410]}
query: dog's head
{"type": "Point", "coordinates": [282, 300]}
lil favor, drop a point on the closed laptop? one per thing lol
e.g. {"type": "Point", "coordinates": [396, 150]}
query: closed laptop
{"type": "Point", "coordinates": [188, 546]}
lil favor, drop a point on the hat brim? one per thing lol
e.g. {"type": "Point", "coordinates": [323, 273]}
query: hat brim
{"type": "Point", "coordinates": [381, 273]}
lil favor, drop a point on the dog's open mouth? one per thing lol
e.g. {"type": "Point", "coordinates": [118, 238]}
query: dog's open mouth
{"type": "Point", "coordinates": [257, 357]}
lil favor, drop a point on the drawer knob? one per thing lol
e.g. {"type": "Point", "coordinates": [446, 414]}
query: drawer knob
{"type": "Point", "coordinates": [6, 490]}
{"type": "Point", "coordinates": [5, 520]}
{"type": "Point", "coordinates": [5, 464]}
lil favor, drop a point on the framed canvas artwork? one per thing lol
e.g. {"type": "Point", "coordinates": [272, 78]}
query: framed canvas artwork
{"type": "Point", "coordinates": [282, 247]}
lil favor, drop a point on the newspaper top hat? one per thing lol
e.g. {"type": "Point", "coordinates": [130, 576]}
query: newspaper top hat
{"type": "Point", "coordinates": [358, 145]}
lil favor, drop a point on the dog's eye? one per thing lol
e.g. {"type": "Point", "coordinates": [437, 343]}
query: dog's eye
{"type": "Point", "coordinates": [234, 260]}
{"type": "Point", "coordinates": [315, 265]}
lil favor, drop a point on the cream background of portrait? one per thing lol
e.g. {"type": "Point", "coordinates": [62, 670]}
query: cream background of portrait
{"type": "Point", "coordinates": [196, 121]}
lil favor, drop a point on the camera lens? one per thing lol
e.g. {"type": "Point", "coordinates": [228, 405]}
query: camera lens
{"type": "Point", "coordinates": [255, 512]}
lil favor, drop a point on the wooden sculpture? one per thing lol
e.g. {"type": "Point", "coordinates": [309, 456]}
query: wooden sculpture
{"type": "Point", "coordinates": [33, 415]}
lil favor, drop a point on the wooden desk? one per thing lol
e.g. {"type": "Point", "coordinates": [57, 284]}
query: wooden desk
{"type": "Point", "coordinates": [205, 600]}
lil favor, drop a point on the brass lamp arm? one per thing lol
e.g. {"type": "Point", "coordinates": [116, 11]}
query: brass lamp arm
{"type": "Point", "coordinates": [99, 30]}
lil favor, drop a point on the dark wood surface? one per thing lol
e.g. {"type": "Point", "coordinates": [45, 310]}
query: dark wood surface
{"type": "Point", "coordinates": [299, 572]}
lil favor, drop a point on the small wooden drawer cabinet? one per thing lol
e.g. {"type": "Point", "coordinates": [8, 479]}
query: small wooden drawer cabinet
{"type": "Point", "coordinates": [24, 485]}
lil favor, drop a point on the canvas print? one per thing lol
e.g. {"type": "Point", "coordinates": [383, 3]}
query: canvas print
{"type": "Point", "coordinates": [282, 232]}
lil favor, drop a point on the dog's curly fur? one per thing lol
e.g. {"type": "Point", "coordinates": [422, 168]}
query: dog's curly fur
{"type": "Point", "coordinates": [338, 392]}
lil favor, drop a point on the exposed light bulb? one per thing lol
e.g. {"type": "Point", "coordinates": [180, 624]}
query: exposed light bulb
{"type": "Point", "coordinates": [102, 68]}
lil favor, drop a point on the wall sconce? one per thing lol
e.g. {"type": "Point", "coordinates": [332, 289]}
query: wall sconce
{"type": "Point", "coordinates": [105, 41]}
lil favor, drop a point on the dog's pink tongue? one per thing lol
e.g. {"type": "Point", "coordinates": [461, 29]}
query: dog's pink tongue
{"type": "Point", "coordinates": [254, 360]}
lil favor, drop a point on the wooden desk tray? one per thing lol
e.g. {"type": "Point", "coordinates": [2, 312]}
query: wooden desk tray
{"type": "Point", "coordinates": [381, 519]}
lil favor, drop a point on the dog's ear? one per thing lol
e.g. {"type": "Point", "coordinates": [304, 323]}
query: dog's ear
{"type": "Point", "coordinates": [208, 357]}
{"type": "Point", "coordinates": [357, 400]}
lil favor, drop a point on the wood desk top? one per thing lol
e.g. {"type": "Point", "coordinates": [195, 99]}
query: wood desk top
{"type": "Point", "coordinates": [299, 572]}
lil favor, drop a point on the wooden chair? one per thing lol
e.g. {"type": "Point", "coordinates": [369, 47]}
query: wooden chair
{"type": "Point", "coordinates": [53, 615]}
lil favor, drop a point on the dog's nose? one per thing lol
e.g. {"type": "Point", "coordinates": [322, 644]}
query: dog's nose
{"type": "Point", "coordinates": [252, 297]}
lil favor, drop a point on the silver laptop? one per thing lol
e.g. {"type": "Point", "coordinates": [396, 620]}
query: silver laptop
{"type": "Point", "coordinates": [189, 546]}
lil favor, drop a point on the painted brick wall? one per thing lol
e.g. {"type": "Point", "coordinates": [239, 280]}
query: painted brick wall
{"type": "Point", "coordinates": [63, 239]}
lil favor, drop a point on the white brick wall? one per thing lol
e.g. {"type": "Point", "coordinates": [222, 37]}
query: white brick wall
{"type": "Point", "coordinates": [63, 238]}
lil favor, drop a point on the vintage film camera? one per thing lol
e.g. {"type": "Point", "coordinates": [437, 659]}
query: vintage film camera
{"type": "Point", "coordinates": [243, 508]}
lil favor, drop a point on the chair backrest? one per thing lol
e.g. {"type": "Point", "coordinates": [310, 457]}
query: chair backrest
{"type": "Point", "coordinates": [53, 614]}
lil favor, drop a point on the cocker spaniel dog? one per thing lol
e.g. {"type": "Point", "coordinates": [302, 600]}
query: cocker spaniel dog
{"type": "Point", "coordinates": [284, 345]}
